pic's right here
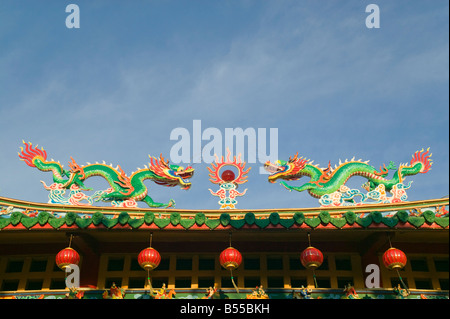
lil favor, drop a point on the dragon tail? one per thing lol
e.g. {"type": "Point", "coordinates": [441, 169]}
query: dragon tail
{"type": "Point", "coordinates": [30, 154]}
{"type": "Point", "coordinates": [37, 158]}
{"type": "Point", "coordinates": [423, 158]}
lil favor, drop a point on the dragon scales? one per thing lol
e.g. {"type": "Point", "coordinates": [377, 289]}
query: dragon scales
{"type": "Point", "coordinates": [325, 182]}
{"type": "Point", "coordinates": [124, 190]}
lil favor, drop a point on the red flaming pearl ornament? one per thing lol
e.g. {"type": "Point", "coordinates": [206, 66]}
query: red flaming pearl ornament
{"type": "Point", "coordinates": [311, 258]}
{"type": "Point", "coordinates": [149, 258]}
{"type": "Point", "coordinates": [228, 176]}
{"type": "Point", "coordinates": [394, 258]}
{"type": "Point", "coordinates": [230, 258]}
{"type": "Point", "coordinates": [66, 257]}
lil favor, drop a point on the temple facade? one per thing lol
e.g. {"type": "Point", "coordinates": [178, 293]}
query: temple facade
{"type": "Point", "coordinates": [353, 242]}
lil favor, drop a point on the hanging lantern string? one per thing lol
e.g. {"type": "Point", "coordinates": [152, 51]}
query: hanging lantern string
{"type": "Point", "coordinates": [231, 271]}
{"type": "Point", "coordinates": [232, 280]}
{"type": "Point", "coordinates": [70, 240]}
{"type": "Point", "coordinates": [313, 271]}
{"type": "Point", "coordinates": [390, 244]}
{"type": "Point", "coordinates": [148, 270]}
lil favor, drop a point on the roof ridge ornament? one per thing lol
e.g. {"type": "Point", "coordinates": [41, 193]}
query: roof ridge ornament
{"type": "Point", "coordinates": [328, 185]}
{"type": "Point", "coordinates": [124, 191]}
{"type": "Point", "coordinates": [227, 179]}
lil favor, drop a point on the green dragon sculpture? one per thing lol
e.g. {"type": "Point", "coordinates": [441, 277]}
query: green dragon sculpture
{"type": "Point", "coordinates": [326, 181]}
{"type": "Point", "coordinates": [122, 187]}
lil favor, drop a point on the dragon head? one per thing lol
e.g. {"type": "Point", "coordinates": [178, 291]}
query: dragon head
{"type": "Point", "coordinates": [287, 170]}
{"type": "Point", "coordinates": [170, 175]}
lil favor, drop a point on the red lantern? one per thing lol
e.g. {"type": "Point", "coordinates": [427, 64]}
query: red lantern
{"type": "Point", "coordinates": [149, 258]}
{"type": "Point", "coordinates": [66, 257]}
{"type": "Point", "coordinates": [230, 258]}
{"type": "Point", "coordinates": [394, 258]}
{"type": "Point", "coordinates": [311, 258]}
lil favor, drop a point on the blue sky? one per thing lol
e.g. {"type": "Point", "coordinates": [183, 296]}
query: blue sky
{"type": "Point", "coordinates": [115, 88]}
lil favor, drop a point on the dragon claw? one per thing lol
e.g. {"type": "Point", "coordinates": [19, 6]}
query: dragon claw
{"type": "Point", "coordinates": [391, 166]}
{"type": "Point", "coordinates": [289, 188]}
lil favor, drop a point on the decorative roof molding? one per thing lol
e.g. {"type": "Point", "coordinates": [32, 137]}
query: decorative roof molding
{"type": "Point", "coordinates": [431, 214]}
{"type": "Point", "coordinates": [5, 203]}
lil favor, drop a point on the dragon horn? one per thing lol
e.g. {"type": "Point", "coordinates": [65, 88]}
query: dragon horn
{"type": "Point", "coordinates": [166, 163]}
{"type": "Point", "coordinates": [293, 159]}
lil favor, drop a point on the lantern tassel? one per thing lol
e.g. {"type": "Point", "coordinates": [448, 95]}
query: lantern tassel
{"type": "Point", "coordinates": [232, 280]}
{"type": "Point", "coordinates": [149, 282]}
{"type": "Point", "coordinates": [401, 280]}
{"type": "Point", "coordinates": [315, 279]}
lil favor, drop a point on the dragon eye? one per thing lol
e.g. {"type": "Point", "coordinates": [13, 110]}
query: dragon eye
{"type": "Point", "coordinates": [176, 168]}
